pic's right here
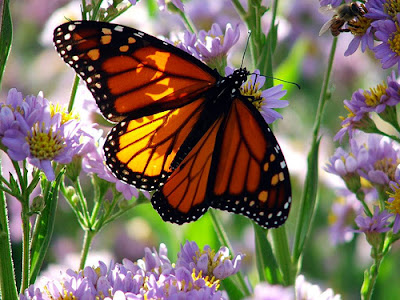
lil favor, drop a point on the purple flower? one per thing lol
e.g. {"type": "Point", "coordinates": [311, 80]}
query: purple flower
{"type": "Point", "coordinates": [347, 164]}
{"type": "Point", "coordinates": [378, 99]}
{"type": "Point", "coordinates": [266, 291]}
{"type": "Point", "coordinates": [42, 134]}
{"type": "Point", "coordinates": [393, 205]}
{"type": "Point", "coordinates": [377, 223]}
{"type": "Point", "coordinates": [359, 106]}
{"type": "Point", "coordinates": [363, 34]}
{"type": "Point", "coordinates": [387, 31]}
{"type": "Point", "coordinates": [207, 262]}
{"type": "Point", "coordinates": [29, 109]}
{"type": "Point", "coordinates": [383, 160]}
{"type": "Point", "coordinates": [211, 47]}
{"type": "Point", "coordinates": [162, 4]}
{"type": "Point", "coordinates": [376, 10]}
{"type": "Point", "coordinates": [354, 120]}
{"type": "Point", "coordinates": [153, 277]}
{"type": "Point", "coordinates": [381, 99]}
{"type": "Point", "coordinates": [265, 101]}
{"type": "Point", "coordinates": [214, 45]}
{"type": "Point", "coordinates": [185, 41]}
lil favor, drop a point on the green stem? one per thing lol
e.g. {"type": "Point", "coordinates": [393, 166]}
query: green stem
{"type": "Point", "coordinates": [361, 197]}
{"type": "Point", "coordinates": [26, 231]}
{"type": "Point", "coordinates": [44, 225]}
{"type": "Point", "coordinates": [73, 93]}
{"type": "Point", "coordinates": [188, 22]}
{"type": "Point", "coordinates": [369, 282]}
{"type": "Point", "coordinates": [82, 201]}
{"type": "Point", "coordinates": [87, 242]}
{"type": "Point", "coordinates": [282, 254]}
{"type": "Point", "coordinates": [323, 96]}
{"type": "Point", "coordinates": [8, 288]}
{"type": "Point", "coordinates": [120, 12]}
{"type": "Point", "coordinates": [303, 225]}
{"type": "Point", "coordinates": [223, 239]}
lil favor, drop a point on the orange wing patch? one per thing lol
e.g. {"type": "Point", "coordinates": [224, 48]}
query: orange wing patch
{"type": "Point", "coordinates": [183, 198]}
{"type": "Point", "coordinates": [140, 151]}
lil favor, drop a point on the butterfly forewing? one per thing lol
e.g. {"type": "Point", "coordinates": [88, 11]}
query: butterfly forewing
{"type": "Point", "coordinates": [130, 72]}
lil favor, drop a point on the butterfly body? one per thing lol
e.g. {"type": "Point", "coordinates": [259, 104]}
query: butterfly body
{"type": "Point", "coordinates": [184, 130]}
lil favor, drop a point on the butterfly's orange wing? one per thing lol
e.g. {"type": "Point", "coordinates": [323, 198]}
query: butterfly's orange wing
{"type": "Point", "coordinates": [237, 166]}
{"type": "Point", "coordinates": [184, 130]}
{"type": "Point", "coordinates": [151, 87]}
{"type": "Point", "coordinates": [140, 151]}
{"type": "Point", "coordinates": [129, 72]}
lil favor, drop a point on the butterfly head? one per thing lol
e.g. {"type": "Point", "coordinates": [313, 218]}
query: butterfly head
{"type": "Point", "coordinates": [234, 81]}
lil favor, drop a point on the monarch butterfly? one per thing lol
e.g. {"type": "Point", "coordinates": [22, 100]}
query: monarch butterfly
{"type": "Point", "coordinates": [183, 129]}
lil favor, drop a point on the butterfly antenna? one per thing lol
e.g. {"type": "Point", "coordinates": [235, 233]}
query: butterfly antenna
{"type": "Point", "coordinates": [291, 82]}
{"type": "Point", "coordinates": [245, 49]}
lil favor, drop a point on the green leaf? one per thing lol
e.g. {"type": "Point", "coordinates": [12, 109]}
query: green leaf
{"type": "Point", "coordinates": [290, 68]}
{"type": "Point", "coordinates": [267, 266]}
{"type": "Point", "coordinates": [152, 8]}
{"type": "Point", "coordinates": [308, 201]}
{"type": "Point", "coordinates": [44, 227]}
{"type": "Point", "coordinates": [5, 35]}
{"type": "Point", "coordinates": [8, 286]}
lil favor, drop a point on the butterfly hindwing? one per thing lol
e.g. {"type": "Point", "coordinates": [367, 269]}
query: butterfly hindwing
{"type": "Point", "coordinates": [183, 196]}
{"type": "Point", "coordinates": [249, 173]}
{"type": "Point", "coordinates": [130, 72]}
{"type": "Point", "coordinates": [140, 151]}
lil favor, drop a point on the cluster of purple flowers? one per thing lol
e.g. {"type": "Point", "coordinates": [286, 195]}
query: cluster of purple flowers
{"type": "Point", "coordinates": [35, 130]}
{"type": "Point", "coordinates": [196, 275]}
{"type": "Point", "coordinates": [375, 162]}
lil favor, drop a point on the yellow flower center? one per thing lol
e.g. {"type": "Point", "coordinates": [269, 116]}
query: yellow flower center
{"type": "Point", "coordinates": [212, 262]}
{"type": "Point", "coordinates": [373, 96]}
{"type": "Point", "coordinates": [253, 91]}
{"type": "Point", "coordinates": [360, 25]}
{"type": "Point", "coordinates": [45, 145]}
{"type": "Point", "coordinates": [65, 296]}
{"type": "Point", "coordinates": [65, 115]}
{"type": "Point", "coordinates": [394, 206]}
{"type": "Point", "coordinates": [392, 8]}
{"type": "Point", "coordinates": [388, 166]}
{"type": "Point", "coordinates": [394, 41]}
{"type": "Point", "coordinates": [209, 281]}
